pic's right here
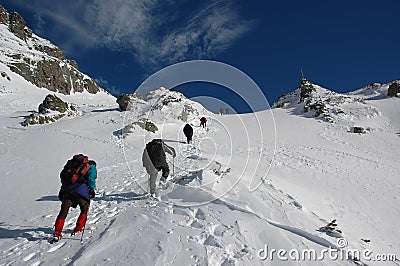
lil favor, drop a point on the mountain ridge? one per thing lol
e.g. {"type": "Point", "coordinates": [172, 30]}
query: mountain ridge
{"type": "Point", "coordinates": [38, 60]}
{"type": "Point", "coordinates": [349, 109]}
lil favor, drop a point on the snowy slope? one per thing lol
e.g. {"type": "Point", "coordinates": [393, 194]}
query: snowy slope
{"type": "Point", "coordinates": [244, 185]}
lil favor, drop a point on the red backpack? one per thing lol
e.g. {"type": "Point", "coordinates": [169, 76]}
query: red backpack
{"type": "Point", "coordinates": [75, 169]}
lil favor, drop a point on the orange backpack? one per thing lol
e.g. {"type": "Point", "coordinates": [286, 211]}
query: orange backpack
{"type": "Point", "coordinates": [75, 169]}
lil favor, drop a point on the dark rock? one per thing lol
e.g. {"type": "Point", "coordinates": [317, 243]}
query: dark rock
{"type": "Point", "coordinates": [394, 89]}
{"type": "Point", "coordinates": [124, 102]}
{"type": "Point", "coordinates": [51, 51]}
{"type": "Point", "coordinates": [318, 107]}
{"type": "Point", "coordinates": [50, 75]}
{"type": "Point", "coordinates": [147, 125]}
{"type": "Point", "coordinates": [3, 15]}
{"type": "Point", "coordinates": [73, 63]}
{"type": "Point", "coordinates": [306, 88]}
{"type": "Point", "coordinates": [90, 86]}
{"type": "Point", "coordinates": [23, 70]}
{"type": "Point", "coordinates": [359, 130]}
{"type": "Point", "coordinates": [51, 110]}
{"type": "Point", "coordinates": [17, 25]}
{"type": "Point", "coordinates": [52, 102]}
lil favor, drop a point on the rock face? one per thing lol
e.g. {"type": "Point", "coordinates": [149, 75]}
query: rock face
{"type": "Point", "coordinates": [3, 16]}
{"type": "Point", "coordinates": [39, 61]}
{"type": "Point", "coordinates": [17, 26]}
{"type": "Point", "coordinates": [394, 89]}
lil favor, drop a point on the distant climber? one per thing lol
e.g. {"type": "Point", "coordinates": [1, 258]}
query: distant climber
{"type": "Point", "coordinates": [78, 179]}
{"type": "Point", "coordinates": [188, 131]}
{"type": "Point", "coordinates": [154, 160]}
{"type": "Point", "coordinates": [203, 122]}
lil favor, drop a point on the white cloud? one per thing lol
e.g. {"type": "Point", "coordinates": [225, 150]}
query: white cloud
{"type": "Point", "coordinates": [103, 83]}
{"type": "Point", "coordinates": [157, 32]}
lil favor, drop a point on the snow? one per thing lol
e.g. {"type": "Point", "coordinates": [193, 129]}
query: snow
{"type": "Point", "coordinates": [288, 176]}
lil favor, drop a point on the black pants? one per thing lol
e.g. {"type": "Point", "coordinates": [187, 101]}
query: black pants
{"type": "Point", "coordinates": [165, 172]}
{"type": "Point", "coordinates": [72, 199]}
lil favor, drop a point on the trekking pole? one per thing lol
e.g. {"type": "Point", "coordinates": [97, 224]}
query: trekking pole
{"type": "Point", "coordinates": [173, 167]}
{"type": "Point", "coordinates": [83, 231]}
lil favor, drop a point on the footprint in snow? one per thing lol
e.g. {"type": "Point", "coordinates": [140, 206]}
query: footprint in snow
{"type": "Point", "coordinates": [296, 204]}
{"type": "Point", "coordinates": [113, 212]}
{"type": "Point", "coordinates": [30, 256]}
{"type": "Point", "coordinates": [94, 221]}
{"type": "Point", "coordinates": [54, 248]}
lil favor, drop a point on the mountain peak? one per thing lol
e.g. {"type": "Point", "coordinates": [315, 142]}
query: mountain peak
{"type": "Point", "coordinates": [312, 100]}
{"type": "Point", "coordinates": [37, 60]}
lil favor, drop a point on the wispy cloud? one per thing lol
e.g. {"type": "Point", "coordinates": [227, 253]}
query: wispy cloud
{"type": "Point", "coordinates": [106, 85]}
{"type": "Point", "coordinates": [157, 32]}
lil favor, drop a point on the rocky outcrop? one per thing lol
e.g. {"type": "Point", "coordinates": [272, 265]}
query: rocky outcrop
{"type": "Point", "coordinates": [141, 124]}
{"type": "Point", "coordinates": [126, 101]}
{"type": "Point", "coordinates": [52, 75]}
{"type": "Point", "coordinates": [312, 100]}
{"type": "Point", "coordinates": [52, 51]}
{"type": "Point", "coordinates": [146, 125]}
{"type": "Point", "coordinates": [306, 88]}
{"type": "Point", "coordinates": [52, 103]}
{"type": "Point", "coordinates": [50, 110]}
{"type": "Point", "coordinates": [39, 61]}
{"type": "Point", "coordinates": [394, 89]}
{"type": "Point", "coordinates": [18, 26]}
{"type": "Point", "coordinates": [3, 16]}
{"type": "Point", "coordinates": [359, 130]}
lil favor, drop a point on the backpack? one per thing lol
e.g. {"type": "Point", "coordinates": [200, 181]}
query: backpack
{"type": "Point", "coordinates": [188, 130]}
{"type": "Point", "coordinates": [75, 169]}
{"type": "Point", "coordinates": [156, 153]}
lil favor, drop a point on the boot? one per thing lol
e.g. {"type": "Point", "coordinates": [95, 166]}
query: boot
{"type": "Point", "coordinates": [58, 227]}
{"type": "Point", "coordinates": [80, 223]}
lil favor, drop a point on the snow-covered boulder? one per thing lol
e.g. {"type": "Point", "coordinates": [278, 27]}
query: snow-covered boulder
{"type": "Point", "coordinates": [50, 110]}
{"type": "Point", "coordinates": [160, 105]}
{"type": "Point", "coordinates": [312, 100]}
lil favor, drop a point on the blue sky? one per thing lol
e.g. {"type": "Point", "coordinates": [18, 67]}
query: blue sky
{"type": "Point", "coordinates": [340, 45]}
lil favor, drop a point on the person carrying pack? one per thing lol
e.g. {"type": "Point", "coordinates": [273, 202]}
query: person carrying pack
{"type": "Point", "coordinates": [154, 160]}
{"type": "Point", "coordinates": [203, 122]}
{"type": "Point", "coordinates": [78, 179]}
{"type": "Point", "coordinates": [188, 131]}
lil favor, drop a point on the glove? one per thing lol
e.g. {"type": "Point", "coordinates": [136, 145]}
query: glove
{"type": "Point", "coordinates": [92, 193]}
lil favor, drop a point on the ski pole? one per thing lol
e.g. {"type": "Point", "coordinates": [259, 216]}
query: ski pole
{"type": "Point", "coordinates": [83, 231]}
{"type": "Point", "coordinates": [173, 167]}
